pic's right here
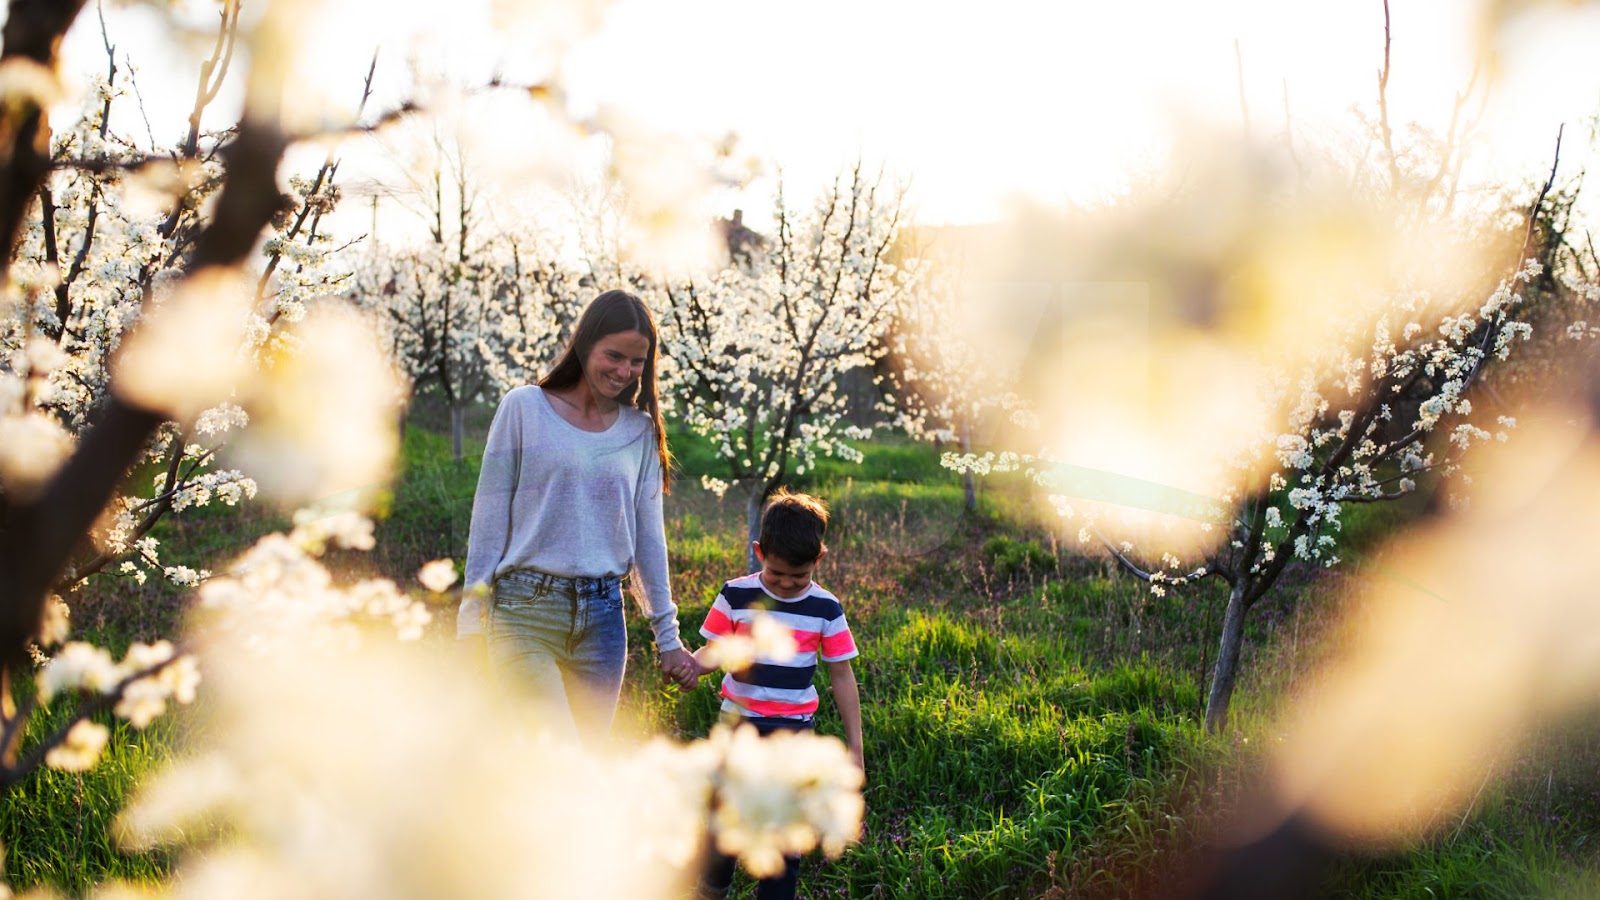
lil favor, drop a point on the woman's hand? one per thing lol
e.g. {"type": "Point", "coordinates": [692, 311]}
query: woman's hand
{"type": "Point", "coordinates": [679, 665]}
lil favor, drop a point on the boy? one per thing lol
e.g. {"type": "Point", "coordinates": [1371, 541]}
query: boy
{"type": "Point", "coordinates": [774, 694]}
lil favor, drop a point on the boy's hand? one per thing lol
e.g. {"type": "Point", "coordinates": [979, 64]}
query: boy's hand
{"type": "Point", "coordinates": [698, 670]}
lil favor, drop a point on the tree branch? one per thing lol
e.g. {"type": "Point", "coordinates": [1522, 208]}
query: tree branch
{"type": "Point", "coordinates": [32, 33]}
{"type": "Point", "coordinates": [1383, 105]}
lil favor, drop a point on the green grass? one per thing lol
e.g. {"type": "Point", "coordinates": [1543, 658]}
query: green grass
{"type": "Point", "coordinates": [430, 508]}
{"type": "Point", "coordinates": [1031, 716]}
{"type": "Point", "coordinates": [56, 826]}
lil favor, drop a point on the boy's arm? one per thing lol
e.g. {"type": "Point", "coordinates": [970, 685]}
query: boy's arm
{"type": "Point", "coordinates": [703, 661]}
{"type": "Point", "coordinates": [847, 697]}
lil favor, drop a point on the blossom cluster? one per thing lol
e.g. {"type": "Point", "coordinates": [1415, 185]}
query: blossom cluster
{"type": "Point", "coordinates": [148, 676]}
{"type": "Point", "coordinates": [293, 599]}
{"type": "Point", "coordinates": [292, 754]}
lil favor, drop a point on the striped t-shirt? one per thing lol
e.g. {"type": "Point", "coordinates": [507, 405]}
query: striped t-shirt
{"type": "Point", "coordinates": [770, 688]}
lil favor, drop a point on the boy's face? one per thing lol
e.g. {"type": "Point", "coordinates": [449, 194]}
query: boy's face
{"type": "Point", "coordinates": [783, 578]}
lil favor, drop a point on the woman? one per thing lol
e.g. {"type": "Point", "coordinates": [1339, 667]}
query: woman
{"type": "Point", "coordinates": [568, 502]}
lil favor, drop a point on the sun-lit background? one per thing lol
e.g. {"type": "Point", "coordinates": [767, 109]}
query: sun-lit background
{"type": "Point", "coordinates": [1052, 103]}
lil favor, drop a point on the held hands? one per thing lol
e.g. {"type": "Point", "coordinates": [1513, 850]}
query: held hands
{"type": "Point", "coordinates": [681, 666]}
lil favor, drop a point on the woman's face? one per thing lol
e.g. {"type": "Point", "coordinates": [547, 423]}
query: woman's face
{"type": "Point", "coordinates": [615, 362]}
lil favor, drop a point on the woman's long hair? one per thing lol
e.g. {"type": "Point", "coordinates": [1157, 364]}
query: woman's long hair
{"type": "Point", "coordinates": [612, 312]}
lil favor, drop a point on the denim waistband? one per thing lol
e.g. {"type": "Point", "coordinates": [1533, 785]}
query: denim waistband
{"type": "Point", "coordinates": [536, 578]}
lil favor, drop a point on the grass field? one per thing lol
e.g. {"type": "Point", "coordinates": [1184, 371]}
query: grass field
{"type": "Point", "coordinates": [1032, 716]}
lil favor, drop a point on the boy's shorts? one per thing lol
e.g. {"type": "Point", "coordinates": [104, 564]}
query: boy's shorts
{"type": "Point", "coordinates": [765, 725]}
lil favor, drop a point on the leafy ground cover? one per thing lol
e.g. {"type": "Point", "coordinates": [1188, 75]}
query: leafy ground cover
{"type": "Point", "coordinates": [1032, 716]}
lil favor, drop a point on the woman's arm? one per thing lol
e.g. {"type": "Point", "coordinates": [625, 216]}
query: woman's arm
{"type": "Point", "coordinates": [650, 554]}
{"type": "Point", "coordinates": [491, 513]}
{"type": "Point", "coordinates": [650, 564]}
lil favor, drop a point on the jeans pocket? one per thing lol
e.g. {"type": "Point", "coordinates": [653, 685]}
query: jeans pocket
{"type": "Point", "coordinates": [607, 599]}
{"type": "Point", "coordinates": [513, 592]}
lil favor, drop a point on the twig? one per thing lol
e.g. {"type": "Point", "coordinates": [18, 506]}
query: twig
{"type": "Point", "coordinates": [1383, 105]}
{"type": "Point", "coordinates": [1533, 214]}
{"type": "Point", "coordinates": [1244, 103]}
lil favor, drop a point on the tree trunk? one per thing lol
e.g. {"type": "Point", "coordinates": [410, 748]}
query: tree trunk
{"type": "Point", "coordinates": [969, 485]}
{"type": "Point", "coordinates": [458, 422]}
{"type": "Point", "coordinates": [1227, 671]}
{"type": "Point", "coordinates": [752, 515]}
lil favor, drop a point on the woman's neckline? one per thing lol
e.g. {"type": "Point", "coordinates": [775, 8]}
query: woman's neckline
{"type": "Point", "coordinates": [550, 401]}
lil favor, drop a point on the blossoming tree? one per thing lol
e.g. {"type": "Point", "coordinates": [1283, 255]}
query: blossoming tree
{"type": "Point", "coordinates": [1361, 406]}
{"type": "Point", "coordinates": [474, 326]}
{"type": "Point", "coordinates": [279, 631]}
{"type": "Point", "coordinates": [535, 301]}
{"type": "Point", "coordinates": [758, 350]}
{"type": "Point", "coordinates": [939, 384]}
{"type": "Point", "coordinates": [102, 296]}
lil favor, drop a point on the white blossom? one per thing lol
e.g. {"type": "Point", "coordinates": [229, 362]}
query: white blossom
{"type": "Point", "coordinates": [81, 749]}
{"type": "Point", "coordinates": [55, 624]}
{"type": "Point", "coordinates": [769, 641]}
{"type": "Point", "coordinates": [75, 666]}
{"type": "Point", "coordinates": [437, 575]}
{"type": "Point", "coordinates": [32, 447]}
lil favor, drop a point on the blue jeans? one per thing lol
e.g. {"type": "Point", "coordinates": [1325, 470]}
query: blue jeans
{"type": "Point", "coordinates": [563, 643]}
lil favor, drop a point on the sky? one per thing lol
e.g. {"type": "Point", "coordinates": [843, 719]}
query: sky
{"type": "Point", "coordinates": [1066, 101]}
{"type": "Point", "coordinates": [974, 109]}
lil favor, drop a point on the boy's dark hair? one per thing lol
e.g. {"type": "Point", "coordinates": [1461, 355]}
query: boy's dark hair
{"type": "Point", "coordinates": [793, 526]}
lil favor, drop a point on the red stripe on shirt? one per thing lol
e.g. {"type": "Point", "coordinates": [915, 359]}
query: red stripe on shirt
{"type": "Point", "coordinates": [772, 707]}
{"type": "Point", "coordinates": [837, 645]}
{"type": "Point", "coordinates": [717, 622]}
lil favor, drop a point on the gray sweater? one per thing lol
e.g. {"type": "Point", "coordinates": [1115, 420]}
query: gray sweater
{"type": "Point", "coordinates": [554, 497]}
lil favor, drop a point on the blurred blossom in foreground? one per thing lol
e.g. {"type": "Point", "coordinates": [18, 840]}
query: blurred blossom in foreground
{"type": "Point", "coordinates": [783, 794]}
{"type": "Point", "coordinates": [81, 748]}
{"type": "Point", "coordinates": [322, 411]}
{"type": "Point", "coordinates": [438, 575]}
{"type": "Point", "coordinates": [282, 582]}
{"type": "Point", "coordinates": [1165, 336]}
{"type": "Point", "coordinates": [32, 446]}
{"type": "Point", "coordinates": [148, 676]}
{"type": "Point", "coordinates": [353, 765]}
{"type": "Point", "coordinates": [1490, 632]}
{"type": "Point", "coordinates": [768, 638]}
{"type": "Point", "coordinates": [666, 182]}
{"type": "Point", "coordinates": [187, 354]}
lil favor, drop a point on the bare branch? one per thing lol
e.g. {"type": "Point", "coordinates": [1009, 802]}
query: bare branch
{"type": "Point", "coordinates": [1383, 105]}
{"type": "Point", "coordinates": [1288, 130]}
{"type": "Point", "coordinates": [1244, 102]}
{"type": "Point", "coordinates": [212, 72]}
{"type": "Point", "coordinates": [1533, 213]}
